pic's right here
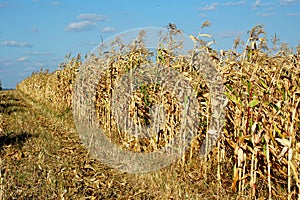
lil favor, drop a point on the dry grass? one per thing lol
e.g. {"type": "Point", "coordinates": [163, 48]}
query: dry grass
{"type": "Point", "coordinates": [258, 155]}
{"type": "Point", "coordinates": [42, 157]}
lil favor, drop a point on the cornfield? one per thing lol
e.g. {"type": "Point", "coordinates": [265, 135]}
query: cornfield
{"type": "Point", "coordinates": [1, 123]}
{"type": "Point", "coordinates": [53, 89]}
{"type": "Point", "coordinates": [259, 146]}
{"type": "Point", "coordinates": [1, 120]}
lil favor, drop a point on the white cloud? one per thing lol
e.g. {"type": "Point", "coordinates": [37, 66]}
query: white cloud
{"type": "Point", "coordinates": [80, 26]}
{"type": "Point", "coordinates": [293, 14]}
{"type": "Point", "coordinates": [108, 30]}
{"type": "Point", "coordinates": [256, 4]}
{"type": "Point", "coordinates": [55, 3]}
{"type": "Point", "coordinates": [235, 3]}
{"type": "Point", "coordinates": [288, 2]}
{"type": "Point", "coordinates": [214, 5]}
{"type": "Point", "coordinates": [88, 22]}
{"type": "Point", "coordinates": [265, 14]}
{"type": "Point", "coordinates": [23, 58]}
{"type": "Point", "coordinates": [13, 43]}
{"type": "Point", "coordinates": [91, 17]}
{"type": "Point", "coordinates": [35, 53]}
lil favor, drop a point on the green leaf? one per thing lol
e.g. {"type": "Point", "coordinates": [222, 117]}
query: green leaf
{"type": "Point", "coordinates": [230, 88]}
{"type": "Point", "coordinates": [232, 98]}
{"type": "Point", "coordinates": [248, 87]}
{"type": "Point", "coordinates": [263, 83]}
{"type": "Point", "coordinates": [253, 103]}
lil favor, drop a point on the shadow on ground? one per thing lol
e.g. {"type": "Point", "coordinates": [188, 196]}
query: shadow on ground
{"type": "Point", "coordinates": [14, 139]}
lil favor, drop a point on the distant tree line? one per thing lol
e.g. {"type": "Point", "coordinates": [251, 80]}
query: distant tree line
{"type": "Point", "coordinates": [0, 85]}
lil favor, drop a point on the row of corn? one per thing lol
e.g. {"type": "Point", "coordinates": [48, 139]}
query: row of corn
{"type": "Point", "coordinates": [262, 122]}
{"type": "Point", "coordinates": [53, 89]}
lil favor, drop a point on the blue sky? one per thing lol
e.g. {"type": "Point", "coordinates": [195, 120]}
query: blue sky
{"type": "Point", "coordinates": [39, 33]}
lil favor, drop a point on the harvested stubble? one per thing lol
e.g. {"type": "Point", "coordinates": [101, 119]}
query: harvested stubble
{"type": "Point", "coordinates": [260, 140]}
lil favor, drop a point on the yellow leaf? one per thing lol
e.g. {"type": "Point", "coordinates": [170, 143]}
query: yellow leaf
{"type": "Point", "coordinates": [253, 103]}
{"type": "Point", "coordinates": [240, 157]}
{"type": "Point", "coordinates": [205, 35]}
{"type": "Point", "coordinates": [194, 38]}
{"type": "Point", "coordinates": [235, 179]}
{"type": "Point", "coordinates": [295, 171]}
{"type": "Point", "coordinates": [283, 142]}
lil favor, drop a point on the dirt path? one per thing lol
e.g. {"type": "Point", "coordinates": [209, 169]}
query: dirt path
{"type": "Point", "coordinates": [41, 157]}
